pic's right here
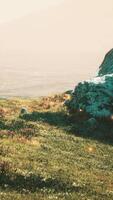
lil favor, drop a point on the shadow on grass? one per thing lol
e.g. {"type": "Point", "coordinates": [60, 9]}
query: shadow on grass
{"type": "Point", "coordinates": [102, 132]}
{"type": "Point", "coordinates": [34, 183]}
{"type": "Point", "coordinates": [59, 119]}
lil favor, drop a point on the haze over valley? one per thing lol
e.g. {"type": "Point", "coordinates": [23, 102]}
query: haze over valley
{"type": "Point", "coordinates": [48, 50]}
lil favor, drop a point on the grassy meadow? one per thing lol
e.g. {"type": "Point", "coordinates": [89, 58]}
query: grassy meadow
{"type": "Point", "coordinates": [44, 155]}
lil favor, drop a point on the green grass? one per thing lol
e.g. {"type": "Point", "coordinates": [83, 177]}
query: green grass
{"type": "Point", "coordinates": [42, 156]}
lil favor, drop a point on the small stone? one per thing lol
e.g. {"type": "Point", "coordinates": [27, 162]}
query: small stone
{"type": "Point", "coordinates": [23, 111]}
{"type": "Point", "coordinates": [92, 123]}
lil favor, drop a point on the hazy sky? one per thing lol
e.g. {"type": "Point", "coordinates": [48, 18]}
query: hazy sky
{"type": "Point", "coordinates": [11, 9]}
{"type": "Point", "coordinates": [65, 38]}
{"type": "Point", "coordinates": [69, 27]}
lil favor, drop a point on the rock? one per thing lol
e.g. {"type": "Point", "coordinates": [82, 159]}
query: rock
{"type": "Point", "coordinates": [92, 123]}
{"type": "Point", "coordinates": [24, 111]}
{"type": "Point", "coordinates": [95, 96]}
{"type": "Point", "coordinates": [107, 65]}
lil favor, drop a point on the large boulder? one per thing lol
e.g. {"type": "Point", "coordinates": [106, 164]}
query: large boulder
{"type": "Point", "coordinates": [95, 96]}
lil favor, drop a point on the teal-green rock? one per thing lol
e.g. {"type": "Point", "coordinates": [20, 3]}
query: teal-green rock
{"type": "Point", "coordinates": [95, 96]}
{"type": "Point", "coordinates": [107, 65]}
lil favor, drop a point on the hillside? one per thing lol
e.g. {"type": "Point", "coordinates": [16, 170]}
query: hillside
{"type": "Point", "coordinates": [43, 157]}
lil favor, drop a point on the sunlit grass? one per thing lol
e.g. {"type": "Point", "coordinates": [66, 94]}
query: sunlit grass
{"type": "Point", "coordinates": [41, 158]}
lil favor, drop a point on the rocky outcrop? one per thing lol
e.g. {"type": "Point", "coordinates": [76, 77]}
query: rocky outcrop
{"type": "Point", "coordinates": [95, 96]}
{"type": "Point", "coordinates": [107, 65]}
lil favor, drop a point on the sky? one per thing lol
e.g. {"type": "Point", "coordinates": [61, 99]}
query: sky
{"type": "Point", "coordinates": [79, 26]}
{"type": "Point", "coordinates": [11, 9]}
{"type": "Point", "coordinates": [67, 38]}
